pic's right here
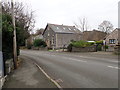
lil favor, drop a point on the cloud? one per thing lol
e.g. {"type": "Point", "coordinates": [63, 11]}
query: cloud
{"type": "Point", "coordinates": [67, 11]}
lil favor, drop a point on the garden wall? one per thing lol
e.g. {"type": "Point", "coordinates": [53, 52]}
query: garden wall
{"type": "Point", "coordinates": [40, 48]}
{"type": "Point", "coordinates": [117, 50]}
{"type": "Point", "coordinates": [84, 49]}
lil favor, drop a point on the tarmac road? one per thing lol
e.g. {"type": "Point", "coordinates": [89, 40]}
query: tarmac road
{"type": "Point", "coordinates": [77, 70]}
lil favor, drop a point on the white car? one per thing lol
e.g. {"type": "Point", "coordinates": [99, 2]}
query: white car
{"type": "Point", "coordinates": [91, 41]}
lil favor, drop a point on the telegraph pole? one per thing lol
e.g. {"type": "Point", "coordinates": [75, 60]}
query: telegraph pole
{"type": "Point", "coordinates": [118, 26]}
{"type": "Point", "coordinates": [14, 37]}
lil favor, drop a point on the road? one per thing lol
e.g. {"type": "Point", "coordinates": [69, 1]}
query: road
{"type": "Point", "coordinates": [77, 70]}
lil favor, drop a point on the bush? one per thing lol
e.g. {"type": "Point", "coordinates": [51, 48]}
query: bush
{"type": "Point", "coordinates": [69, 47]}
{"type": "Point", "coordinates": [39, 43]}
{"type": "Point", "coordinates": [72, 40]}
{"type": "Point", "coordinates": [99, 47]}
{"type": "Point", "coordinates": [29, 46]}
{"type": "Point", "coordinates": [7, 36]}
{"type": "Point", "coordinates": [105, 46]}
{"type": "Point", "coordinates": [99, 42]}
{"type": "Point", "coordinates": [79, 44]}
{"type": "Point", "coordinates": [82, 44]}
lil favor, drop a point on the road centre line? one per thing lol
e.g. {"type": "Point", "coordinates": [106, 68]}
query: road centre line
{"type": "Point", "coordinates": [113, 67]}
{"type": "Point", "coordinates": [88, 57]}
{"type": "Point", "coordinates": [72, 59]}
{"type": "Point", "coordinates": [76, 60]}
{"type": "Point", "coordinates": [100, 58]}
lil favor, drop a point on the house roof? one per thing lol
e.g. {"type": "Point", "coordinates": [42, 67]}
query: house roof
{"type": "Point", "coordinates": [117, 31]}
{"type": "Point", "coordinates": [63, 28]}
{"type": "Point", "coordinates": [94, 35]}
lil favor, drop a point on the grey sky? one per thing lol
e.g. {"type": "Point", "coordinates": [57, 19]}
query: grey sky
{"type": "Point", "coordinates": [67, 11]}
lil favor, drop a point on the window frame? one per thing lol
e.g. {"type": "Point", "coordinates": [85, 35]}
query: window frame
{"type": "Point", "coordinates": [112, 41]}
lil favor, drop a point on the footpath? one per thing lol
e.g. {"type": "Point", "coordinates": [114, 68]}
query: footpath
{"type": "Point", "coordinates": [27, 76]}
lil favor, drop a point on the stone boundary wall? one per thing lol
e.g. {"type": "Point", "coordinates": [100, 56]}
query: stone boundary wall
{"type": "Point", "coordinates": [39, 48]}
{"type": "Point", "coordinates": [84, 49]}
{"type": "Point", "coordinates": [2, 81]}
{"type": "Point", "coordinates": [117, 50]}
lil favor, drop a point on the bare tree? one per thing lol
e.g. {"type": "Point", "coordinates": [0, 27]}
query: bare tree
{"type": "Point", "coordinates": [82, 24]}
{"type": "Point", "coordinates": [106, 26]}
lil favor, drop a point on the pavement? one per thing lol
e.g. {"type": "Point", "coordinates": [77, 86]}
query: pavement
{"type": "Point", "coordinates": [78, 70]}
{"type": "Point", "coordinates": [27, 76]}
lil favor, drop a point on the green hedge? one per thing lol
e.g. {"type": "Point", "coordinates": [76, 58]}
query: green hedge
{"type": "Point", "coordinates": [39, 43]}
{"type": "Point", "coordinates": [105, 46]}
{"type": "Point", "coordinates": [7, 36]}
{"type": "Point", "coordinates": [79, 44]}
{"type": "Point", "coordinates": [99, 42]}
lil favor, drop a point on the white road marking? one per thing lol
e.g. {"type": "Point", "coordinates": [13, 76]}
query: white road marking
{"type": "Point", "coordinates": [72, 59]}
{"type": "Point", "coordinates": [87, 57]}
{"type": "Point", "coordinates": [114, 67]}
{"type": "Point", "coordinates": [112, 60]}
{"type": "Point", "coordinates": [76, 60]}
{"type": "Point", "coordinates": [60, 88]}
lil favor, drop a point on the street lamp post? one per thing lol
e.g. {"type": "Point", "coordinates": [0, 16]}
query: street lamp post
{"type": "Point", "coordinates": [14, 37]}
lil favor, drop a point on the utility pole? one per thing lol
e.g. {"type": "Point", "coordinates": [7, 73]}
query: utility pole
{"type": "Point", "coordinates": [14, 37]}
{"type": "Point", "coordinates": [119, 14]}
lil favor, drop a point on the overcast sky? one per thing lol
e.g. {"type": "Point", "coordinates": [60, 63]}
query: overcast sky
{"type": "Point", "coordinates": [68, 11]}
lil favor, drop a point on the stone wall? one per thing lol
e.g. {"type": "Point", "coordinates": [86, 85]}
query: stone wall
{"type": "Point", "coordinates": [9, 67]}
{"type": "Point", "coordinates": [2, 81]}
{"type": "Point", "coordinates": [84, 49]}
{"type": "Point", "coordinates": [117, 50]}
{"type": "Point", "coordinates": [64, 39]}
{"type": "Point", "coordinates": [39, 48]}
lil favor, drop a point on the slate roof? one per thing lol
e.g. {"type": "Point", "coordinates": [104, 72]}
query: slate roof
{"type": "Point", "coordinates": [63, 28]}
